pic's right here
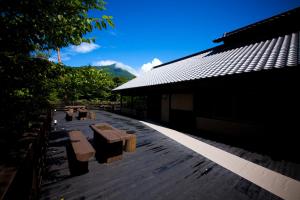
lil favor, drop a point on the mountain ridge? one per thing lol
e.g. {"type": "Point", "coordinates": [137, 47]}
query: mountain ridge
{"type": "Point", "coordinates": [116, 71]}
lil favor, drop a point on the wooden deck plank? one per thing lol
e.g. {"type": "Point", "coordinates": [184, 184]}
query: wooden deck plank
{"type": "Point", "coordinates": [151, 169]}
{"type": "Point", "coordinates": [276, 183]}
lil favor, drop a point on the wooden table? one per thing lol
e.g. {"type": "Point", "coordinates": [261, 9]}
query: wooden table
{"type": "Point", "coordinates": [108, 143]}
{"type": "Point", "coordinates": [82, 113]}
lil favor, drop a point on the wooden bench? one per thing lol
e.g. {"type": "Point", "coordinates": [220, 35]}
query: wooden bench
{"type": "Point", "coordinates": [83, 152]}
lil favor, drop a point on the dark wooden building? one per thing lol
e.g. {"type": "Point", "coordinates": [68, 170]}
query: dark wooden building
{"type": "Point", "coordinates": [246, 86]}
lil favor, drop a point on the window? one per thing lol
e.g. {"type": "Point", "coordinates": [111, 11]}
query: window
{"type": "Point", "coordinates": [182, 102]}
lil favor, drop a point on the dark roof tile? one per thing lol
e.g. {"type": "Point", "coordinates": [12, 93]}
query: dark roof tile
{"type": "Point", "coordinates": [276, 52]}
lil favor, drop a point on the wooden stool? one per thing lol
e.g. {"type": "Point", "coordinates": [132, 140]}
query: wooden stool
{"type": "Point", "coordinates": [130, 144]}
{"type": "Point", "coordinates": [92, 115]}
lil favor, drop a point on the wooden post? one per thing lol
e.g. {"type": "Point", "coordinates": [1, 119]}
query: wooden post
{"type": "Point", "coordinates": [131, 105]}
{"type": "Point", "coordinates": [121, 103]}
{"type": "Point", "coordinates": [170, 96]}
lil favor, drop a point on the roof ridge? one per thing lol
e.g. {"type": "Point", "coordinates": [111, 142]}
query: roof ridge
{"type": "Point", "coordinates": [258, 24]}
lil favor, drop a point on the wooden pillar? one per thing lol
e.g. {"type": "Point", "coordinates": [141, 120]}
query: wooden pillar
{"type": "Point", "coordinates": [121, 102]}
{"type": "Point", "coordinates": [170, 96]}
{"type": "Point", "coordinates": [194, 111]}
{"type": "Point", "coordinates": [131, 102]}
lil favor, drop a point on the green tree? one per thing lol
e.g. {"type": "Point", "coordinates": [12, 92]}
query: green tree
{"type": "Point", "coordinates": [33, 24]}
{"type": "Point", "coordinates": [28, 26]}
{"type": "Point", "coordinates": [97, 84]}
{"type": "Point", "coordinates": [85, 83]}
{"type": "Point", "coordinates": [117, 82]}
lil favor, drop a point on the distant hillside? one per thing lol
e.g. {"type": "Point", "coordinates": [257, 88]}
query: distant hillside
{"type": "Point", "coordinates": [116, 72]}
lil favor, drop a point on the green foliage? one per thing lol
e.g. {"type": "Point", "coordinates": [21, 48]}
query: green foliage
{"type": "Point", "coordinates": [85, 83]}
{"type": "Point", "coordinates": [32, 24]}
{"type": "Point", "coordinates": [25, 91]}
{"type": "Point", "coordinates": [28, 29]}
{"type": "Point", "coordinates": [90, 83]}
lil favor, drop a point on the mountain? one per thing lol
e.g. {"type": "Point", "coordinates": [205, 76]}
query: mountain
{"type": "Point", "coordinates": [116, 72]}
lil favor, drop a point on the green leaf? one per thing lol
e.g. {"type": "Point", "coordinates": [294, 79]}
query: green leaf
{"type": "Point", "coordinates": [110, 22]}
{"type": "Point", "coordinates": [98, 25]}
{"type": "Point", "coordinates": [105, 17]}
{"type": "Point", "coordinates": [103, 24]}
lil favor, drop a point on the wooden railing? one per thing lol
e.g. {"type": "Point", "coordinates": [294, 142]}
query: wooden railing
{"type": "Point", "coordinates": [22, 170]}
{"type": "Point", "coordinates": [109, 106]}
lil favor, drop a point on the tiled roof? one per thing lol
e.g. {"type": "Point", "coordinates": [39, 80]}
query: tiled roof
{"type": "Point", "coordinates": [276, 52]}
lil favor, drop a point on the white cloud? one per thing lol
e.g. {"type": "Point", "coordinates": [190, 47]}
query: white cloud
{"type": "Point", "coordinates": [148, 66]}
{"type": "Point", "coordinates": [117, 64]}
{"type": "Point", "coordinates": [85, 47]}
{"type": "Point", "coordinates": [63, 56]}
{"type": "Point", "coordinates": [144, 68]}
{"type": "Point", "coordinates": [52, 59]}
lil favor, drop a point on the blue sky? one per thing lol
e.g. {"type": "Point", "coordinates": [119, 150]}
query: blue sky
{"type": "Point", "coordinates": [150, 32]}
